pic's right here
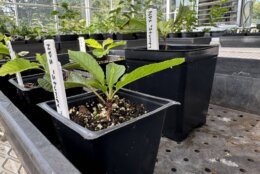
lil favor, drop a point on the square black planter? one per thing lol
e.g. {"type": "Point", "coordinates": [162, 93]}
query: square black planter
{"type": "Point", "coordinates": [27, 98]}
{"type": "Point", "coordinates": [189, 83]}
{"type": "Point", "coordinates": [128, 148]}
{"type": "Point", "coordinates": [36, 153]}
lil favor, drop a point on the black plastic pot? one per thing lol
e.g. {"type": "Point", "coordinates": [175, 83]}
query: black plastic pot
{"type": "Point", "coordinates": [33, 48]}
{"type": "Point", "coordinates": [234, 34]}
{"type": "Point", "coordinates": [32, 96]}
{"type": "Point", "coordinates": [189, 83]}
{"type": "Point", "coordinates": [217, 33]}
{"type": "Point", "coordinates": [128, 148]}
{"type": "Point", "coordinates": [240, 41]}
{"type": "Point", "coordinates": [97, 36]}
{"type": "Point", "coordinates": [192, 34]}
{"type": "Point", "coordinates": [27, 100]}
{"type": "Point", "coordinates": [36, 153]}
{"type": "Point", "coordinates": [189, 40]}
{"type": "Point", "coordinates": [109, 35]}
{"type": "Point", "coordinates": [69, 37]}
{"type": "Point", "coordinates": [174, 35]}
{"type": "Point", "coordinates": [129, 36]}
{"type": "Point", "coordinates": [141, 35]}
{"type": "Point", "coordinates": [253, 34]}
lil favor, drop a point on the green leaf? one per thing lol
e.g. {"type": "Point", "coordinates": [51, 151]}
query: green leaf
{"type": "Point", "coordinates": [42, 59]}
{"type": "Point", "coordinates": [71, 65]}
{"type": "Point", "coordinates": [116, 44]}
{"type": "Point", "coordinates": [93, 43]}
{"type": "Point", "coordinates": [45, 83]}
{"type": "Point", "coordinates": [54, 12]}
{"type": "Point", "coordinates": [113, 73]}
{"type": "Point", "coordinates": [88, 63]}
{"type": "Point", "coordinates": [147, 70]}
{"type": "Point", "coordinates": [23, 53]}
{"type": "Point", "coordinates": [3, 49]}
{"type": "Point", "coordinates": [99, 53]}
{"type": "Point", "coordinates": [75, 79]}
{"type": "Point", "coordinates": [17, 65]}
{"type": "Point", "coordinates": [107, 42]}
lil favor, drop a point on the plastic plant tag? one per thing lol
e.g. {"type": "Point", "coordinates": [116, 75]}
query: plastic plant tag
{"type": "Point", "coordinates": [13, 56]}
{"type": "Point", "coordinates": [56, 78]}
{"type": "Point", "coordinates": [82, 46]}
{"type": "Point", "coordinates": [151, 27]}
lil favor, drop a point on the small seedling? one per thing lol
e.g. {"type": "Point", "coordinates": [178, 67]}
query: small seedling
{"type": "Point", "coordinates": [101, 50]}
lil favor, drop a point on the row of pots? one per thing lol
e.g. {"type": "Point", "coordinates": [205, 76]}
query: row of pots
{"type": "Point", "coordinates": [132, 146]}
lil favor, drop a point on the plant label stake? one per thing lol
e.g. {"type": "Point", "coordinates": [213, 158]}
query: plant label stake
{"type": "Point", "coordinates": [151, 27]}
{"type": "Point", "coordinates": [82, 46]}
{"type": "Point", "coordinates": [56, 78]}
{"type": "Point", "coordinates": [13, 56]}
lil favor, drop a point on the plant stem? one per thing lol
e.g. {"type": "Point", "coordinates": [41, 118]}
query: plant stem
{"type": "Point", "coordinates": [109, 109]}
{"type": "Point", "coordinates": [165, 43]}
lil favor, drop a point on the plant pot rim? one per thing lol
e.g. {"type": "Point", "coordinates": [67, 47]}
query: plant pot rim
{"type": "Point", "coordinates": [13, 81]}
{"type": "Point", "coordinates": [90, 135]}
{"type": "Point", "coordinates": [197, 47]}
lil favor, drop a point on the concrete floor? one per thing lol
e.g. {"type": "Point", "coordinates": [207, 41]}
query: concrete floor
{"type": "Point", "coordinates": [228, 144]}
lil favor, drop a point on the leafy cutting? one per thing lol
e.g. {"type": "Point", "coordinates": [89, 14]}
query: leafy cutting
{"type": "Point", "coordinates": [113, 79]}
{"type": "Point", "coordinates": [101, 50]}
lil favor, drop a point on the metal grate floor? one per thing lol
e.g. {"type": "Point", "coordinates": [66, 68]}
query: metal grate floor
{"type": "Point", "coordinates": [228, 144]}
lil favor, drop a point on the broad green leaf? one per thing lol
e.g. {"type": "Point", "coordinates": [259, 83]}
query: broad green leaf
{"type": "Point", "coordinates": [113, 73]}
{"type": "Point", "coordinates": [71, 65]}
{"type": "Point", "coordinates": [1, 37]}
{"type": "Point", "coordinates": [93, 43]}
{"type": "Point", "coordinates": [107, 42]}
{"type": "Point", "coordinates": [99, 53]}
{"type": "Point", "coordinates": [77, 80]}
{"type": "Point", "coordinates": [115, 44]}
{"type": "Point", "coordinates": [88, 63]}
{"type": "Point", "coordinates": [42, 59]}
{"type": "Point", "coordinates": [17, 65]}
{"type": "Point", "coordinates": [45, 83]}
{"type": "Point", "coordinates": [23, 53]}
{"type": "Point", "coordinates": [147, 70]}
{"type": "Point", "coordinates": [3, 49]}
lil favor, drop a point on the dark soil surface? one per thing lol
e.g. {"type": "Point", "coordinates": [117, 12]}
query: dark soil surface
{"type": "Point", "coordinates": [30, 85]}
{"type": "Point", "coordinates": [109, 59]}
{"type": "Point", "coordinates": [92, 115]}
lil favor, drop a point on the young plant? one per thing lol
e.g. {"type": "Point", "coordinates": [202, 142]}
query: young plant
{"type": "Point", "coordinates": [111, 81]}
{"type": "Point", "coordinates": [101, 50]}
{"type": "Point", "coordinates": [217, 12]}
{"type": "Point", "coordinates": [4, 52]}
{"type": "Point", "coordinates": [165, 28]}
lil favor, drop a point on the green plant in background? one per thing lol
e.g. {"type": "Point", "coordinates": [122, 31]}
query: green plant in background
{"type": "Point", "coordinates": [165, 28]}
{"type": "Point", "coordinates": [217, 12]}
{"type": "Point", "coordinates": [70, 20]}
{"type": "Point", "coordinates": [111, 81]}
{"type": "Point", "coordinates": [188, 16]}
{"type": "Point", "coordinates": [101, 50]}
{"type": "Point", "coordinates": [4, 52]}
{"type": "Point", "coordinates": [125, 18]}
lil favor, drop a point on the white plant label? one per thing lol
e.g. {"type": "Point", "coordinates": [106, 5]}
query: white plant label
{"type": "Point", "coordinates": [152, 33]}
{"type": "Point", "coordinates": [13, 56]}
{"type": "Point", "coordinates": [56, 78]}
{"type": "Point", "coordinates": [82, 46]}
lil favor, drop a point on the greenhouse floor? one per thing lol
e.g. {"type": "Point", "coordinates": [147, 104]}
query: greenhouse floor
{"type": "Point", "coordinates": [228, 144]}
